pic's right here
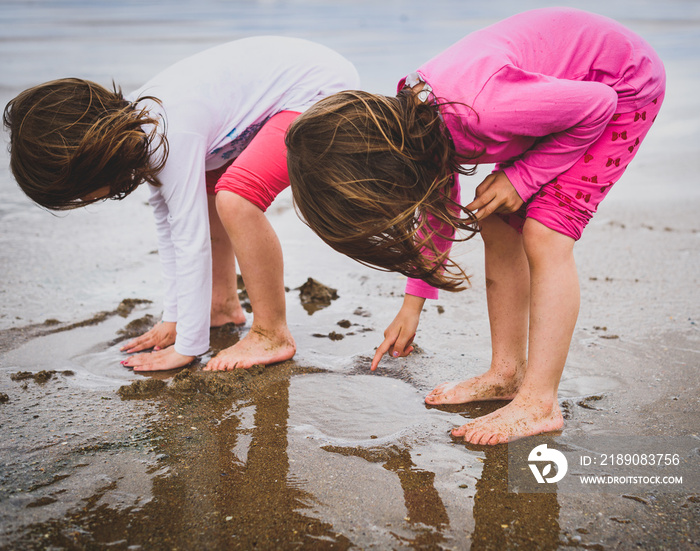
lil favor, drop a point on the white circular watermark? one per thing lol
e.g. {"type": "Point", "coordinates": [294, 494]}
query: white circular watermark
{"type": "Point", "coordinates": [542, 458]}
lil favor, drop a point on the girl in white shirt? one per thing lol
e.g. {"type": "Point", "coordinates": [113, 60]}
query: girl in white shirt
{"type": "Point", "coordinates": [207, 135]}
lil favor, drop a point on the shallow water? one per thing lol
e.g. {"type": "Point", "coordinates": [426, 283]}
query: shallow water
{"type": "Point", "coordinates": [319, 452]}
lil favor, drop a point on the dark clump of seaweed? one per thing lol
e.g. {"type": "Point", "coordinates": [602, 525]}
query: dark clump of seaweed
{"type": "Point", "coordinates": [40, 377]}
{"type": "Point", "coordinates": [316, 296]}
{"type": "Point", "coordinates": [141, 388]}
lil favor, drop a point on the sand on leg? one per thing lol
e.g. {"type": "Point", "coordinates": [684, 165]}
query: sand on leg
{"type": "Point", "coordinates": [554, 305]}
{"type": "Point", "coordinates": [507, 292]}
{"type": "Point", "coordinates": [260, 258]}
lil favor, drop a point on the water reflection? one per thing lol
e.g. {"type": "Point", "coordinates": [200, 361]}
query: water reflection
{"type": "Point", "coordinates": [223, 479]}
{"type": "Point", "coordinates": [427, 515]}
{"type": "Point", "coordinates": [288, 456]}
{"type": "Point", "coordinates": [214, 499]}
{"type": "Point", "coordinates": [505, 520]}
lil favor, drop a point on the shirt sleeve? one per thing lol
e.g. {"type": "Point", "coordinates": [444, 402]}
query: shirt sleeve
{"type": "Point", "coordinates": [442, 238]}
{"type": "Point", "coordinates": [564, 116]}
{"type": "Point", "coordinates": [166, 253]}
{"type": "Point", "coordinates": [182, 222]}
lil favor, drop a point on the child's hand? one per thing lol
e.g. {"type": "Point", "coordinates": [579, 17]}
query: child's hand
{"type": "Point", "coordinates": [162, 335]}
{"type": "Point", "coordinates": [400, 333]}
{"type": "Point", "coordinates": [160, 360]}
{"type": "Point", "coordinates": [495, 194]}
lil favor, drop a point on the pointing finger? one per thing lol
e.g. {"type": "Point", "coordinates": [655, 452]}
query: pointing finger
{"type": "Point", "coordinates": [381, 350]}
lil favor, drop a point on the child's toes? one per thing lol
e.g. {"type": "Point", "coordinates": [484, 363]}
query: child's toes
{"type": "Point", "coordinates": [440, 395]}
{"type": "Point", "coordinates": [496, 438]}
{"type": "Point", "coordinates": [460, 431]}
{"type": "Point", "coordinates": [440, 389]}
{"type": "Point", "coordinates": [431, 398]}
{"type": "Point", "coordinates": [475, 437]}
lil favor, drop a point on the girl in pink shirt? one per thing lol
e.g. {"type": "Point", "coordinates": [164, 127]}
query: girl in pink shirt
{"type": "Point", "coordinates": [560, 100]}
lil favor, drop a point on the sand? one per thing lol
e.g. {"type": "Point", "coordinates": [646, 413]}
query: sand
{"type": "Point", "coordinates": [319, 452]}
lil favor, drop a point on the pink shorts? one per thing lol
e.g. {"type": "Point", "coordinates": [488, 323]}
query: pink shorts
{"type": "Point", "coordinates": [259, 173]}
{"type": "Point", "coordinates": [568, 202]}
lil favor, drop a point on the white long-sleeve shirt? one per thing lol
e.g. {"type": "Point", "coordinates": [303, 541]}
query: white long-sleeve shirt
{"type": "Point", "coordinates": [212, 104]}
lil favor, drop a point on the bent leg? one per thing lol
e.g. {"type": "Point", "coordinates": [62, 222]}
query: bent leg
{"type": "Point", "coordinates": [554, 305]}
{"type": "Point", "coordinates": [507, 293]}
{"type": "Point", "coordinates": [260, 258]}
{"type": "Point", "coordinates": [225, 306]}
{"type": "Point", "coordinates": [244, 191]}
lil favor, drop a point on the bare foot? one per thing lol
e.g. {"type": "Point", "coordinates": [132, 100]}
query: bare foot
{"type": "Point", "coordinates": [489, 386]}
{"type": "Point", "coordinates": [516, 420]}
{"type": "Point", "coordinates": [259, 346]}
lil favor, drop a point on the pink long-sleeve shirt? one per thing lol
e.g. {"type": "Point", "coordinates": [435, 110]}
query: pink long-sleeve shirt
{"type": "Point", "coordinates": [534, 91]}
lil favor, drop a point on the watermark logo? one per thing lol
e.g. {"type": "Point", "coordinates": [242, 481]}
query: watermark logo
{"type": "Point", "coordinates": [604, 463]}
{"type": "Point", "coordinates": [540, 462]}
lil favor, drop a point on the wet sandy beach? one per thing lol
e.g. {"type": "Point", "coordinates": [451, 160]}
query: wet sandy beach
{"type": "Point", "coordinates": [319, 452]}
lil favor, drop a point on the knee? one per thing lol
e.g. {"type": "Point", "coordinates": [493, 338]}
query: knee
{"type": "Point", "coordinates": [231, 205]}
{"type": "Point", "coordinates": [226, 200]}
{"type": "Point", "coordinates": [544, 245]}
{"type": "Point", "coordinates": [494, 231]}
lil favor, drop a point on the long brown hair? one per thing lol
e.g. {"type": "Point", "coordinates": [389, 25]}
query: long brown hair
{"type": "Point", "coordinates": [72, 137]}
{"type": "Point", "coordinates": [368, 170]}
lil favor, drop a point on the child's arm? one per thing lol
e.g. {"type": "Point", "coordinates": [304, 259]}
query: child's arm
{"type": "Point", "coordinates": [184, 191]}
{"type": "Point", "coordinates": [163, 334]}
{"type": "Point", "coordinates": [399, 335]}
{"type": "Point", "coordinates": [418, 287]}
{"type": "Point", "coordinates": [180, 210]}
{"type": "Point", "coordinates": [564, 116]}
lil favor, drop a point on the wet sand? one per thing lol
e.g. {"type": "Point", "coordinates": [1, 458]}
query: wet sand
{"type": "Point", "coordinates": [319, 452]}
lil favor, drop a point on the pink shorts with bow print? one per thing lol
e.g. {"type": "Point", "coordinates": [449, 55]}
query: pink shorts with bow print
{"type": "Point", "coordinates": [568, 202]}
